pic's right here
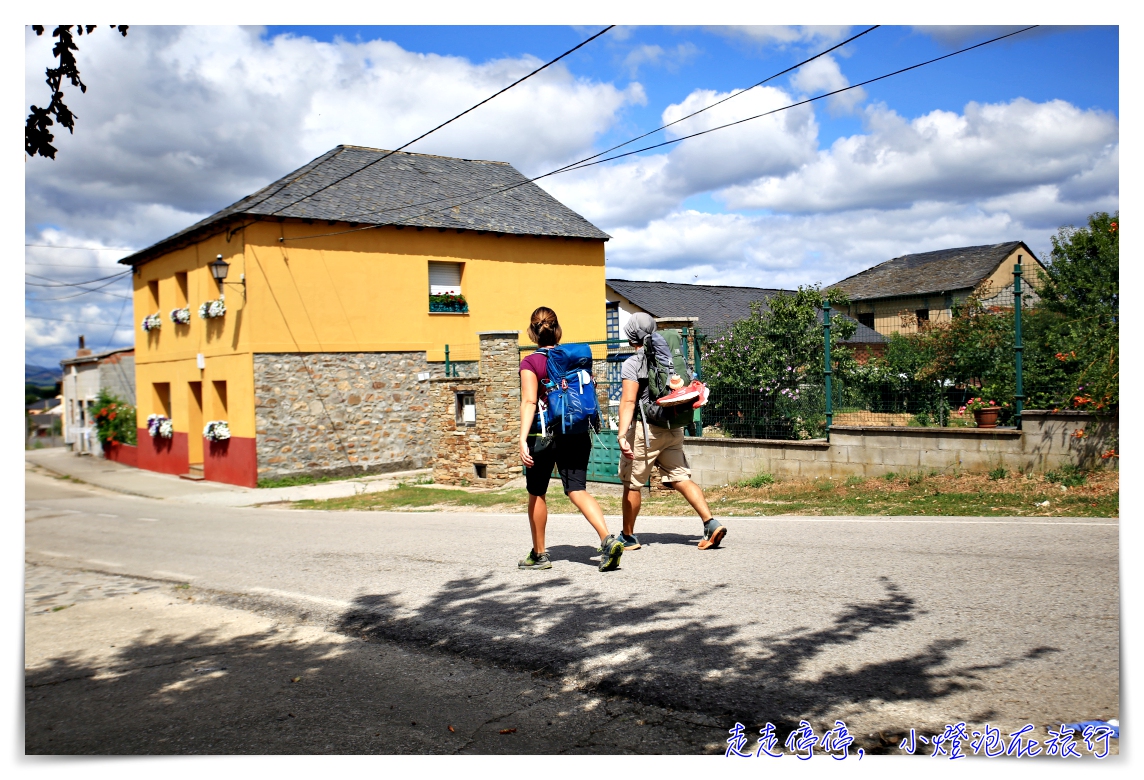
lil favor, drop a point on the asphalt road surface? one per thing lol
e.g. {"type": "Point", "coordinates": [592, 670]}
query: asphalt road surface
{"type": "Point", "coordinates": [884, 623]}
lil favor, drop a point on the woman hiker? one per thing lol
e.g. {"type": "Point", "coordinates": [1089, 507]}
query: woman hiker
{"type": "Point", "coordinates": [568, 452]}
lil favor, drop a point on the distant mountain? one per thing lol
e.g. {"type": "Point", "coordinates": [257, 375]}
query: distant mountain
{"type": "Point", "coordinates": [38, 375]}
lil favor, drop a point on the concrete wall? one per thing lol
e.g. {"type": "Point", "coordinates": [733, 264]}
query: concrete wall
{"type": "Point", "coordinates": [338, 413]}
{"type": "Point", "coordinates": [491, 441]}
{"type": "Point", "coordinates": [117, 375]}
{"type": "Point", "coordinates": [1046, 441]}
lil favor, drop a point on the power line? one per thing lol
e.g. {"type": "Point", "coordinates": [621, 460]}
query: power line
{"type": "Point", "coordinates": [90, 248]}
{"type": "Point", "coordinates": [70, 322]}
{"type": "Point", "coordinates": [632, 140]}
{"type": "Point", "coordinates": [119, 275]}
{"type": "Point", "coordinates": [579, 166]}
{"type": "Point", "coordinates": [802, 102]}
{"type": "Point", "coordinates": [76, 295]}
{"type": "Point", "coordinates": [435, 129]}
{"type": "Point", "coordinates": [71, 265]}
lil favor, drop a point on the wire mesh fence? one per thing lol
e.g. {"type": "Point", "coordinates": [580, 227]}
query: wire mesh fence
{"type": "Point", "coordinates": [909, 362]}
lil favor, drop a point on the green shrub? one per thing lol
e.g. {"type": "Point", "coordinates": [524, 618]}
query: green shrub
{"type": "Point", "coordinates": [998, 473]}
{"type": "Point", "coordinates": [854, 481]}
{"type": "Point", "coordinates": [890, 477]}
{"type": "Point", "coordinates": [759, 480]}
{"type": "Point", "coordinates": [114, 419]}
{"type": "Point", "coordinates": [1069, 476]}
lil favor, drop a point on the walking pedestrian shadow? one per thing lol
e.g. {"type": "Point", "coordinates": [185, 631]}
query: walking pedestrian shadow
{"type": "Point", "coordinates": [575, 554]}
{"type": "Point", "coordinates": [689, 540]}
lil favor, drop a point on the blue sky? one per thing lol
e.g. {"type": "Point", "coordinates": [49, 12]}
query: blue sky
{"type": "Point", "coordinates": [1007, 142]}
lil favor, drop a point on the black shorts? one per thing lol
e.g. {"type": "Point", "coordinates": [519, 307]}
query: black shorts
{"type": "Point", "coordinates": [569, 453]}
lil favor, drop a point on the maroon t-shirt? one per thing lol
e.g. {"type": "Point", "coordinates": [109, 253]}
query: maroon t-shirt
{"type": "Point", "coordinates": [537, 363]}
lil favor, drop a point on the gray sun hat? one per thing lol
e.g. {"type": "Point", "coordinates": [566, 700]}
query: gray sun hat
{"type": "Point", "coordinates": [638, 327]}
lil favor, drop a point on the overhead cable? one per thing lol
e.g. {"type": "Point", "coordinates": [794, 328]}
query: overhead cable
{"type": "Point", "coordinates": [54, 283]}
{"type": "Point", "coordinates": [676, 140]}
{"type": "Point", "coordinates": [632, 140]}
{"type": "Point", "coordinates": [423, 135]}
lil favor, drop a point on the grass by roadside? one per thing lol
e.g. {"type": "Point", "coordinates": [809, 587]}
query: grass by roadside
{"type": "Point", "coordinates": [312, 479]}
{"type": "Point", "coordinates": [1060, 494]}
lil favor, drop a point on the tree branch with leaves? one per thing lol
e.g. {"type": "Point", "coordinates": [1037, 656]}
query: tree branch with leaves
{"type": "Point", "coordinates": [38, 136]}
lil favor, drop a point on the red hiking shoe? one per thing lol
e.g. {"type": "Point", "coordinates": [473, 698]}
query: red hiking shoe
{"type": "Point", "coordinates": [683, 394]}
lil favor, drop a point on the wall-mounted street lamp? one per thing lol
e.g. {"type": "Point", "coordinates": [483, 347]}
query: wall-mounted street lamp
{"type": "Point", "coordinates": [219, 269]}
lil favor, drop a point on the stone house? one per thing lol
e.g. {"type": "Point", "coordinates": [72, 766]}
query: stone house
{"type": "Point", "coordinates": [905, 293]}
{"type": "Point", "coordinates": [83, 377]}
{"type": "Point", "coordinates": [310, 315]}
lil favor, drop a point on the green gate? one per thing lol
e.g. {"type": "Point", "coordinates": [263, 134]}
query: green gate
{"type": "Point", "coordinates": [604, 465]}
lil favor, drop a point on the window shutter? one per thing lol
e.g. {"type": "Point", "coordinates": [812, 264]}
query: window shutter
{"type": "Point", "coordinates": [444, 278]}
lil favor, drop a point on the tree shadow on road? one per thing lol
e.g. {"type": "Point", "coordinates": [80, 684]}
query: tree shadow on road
{"type": "Point", "coordinates": [661, 653]}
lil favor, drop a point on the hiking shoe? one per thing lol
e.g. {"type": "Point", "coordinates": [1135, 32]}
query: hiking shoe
{"type": "Point", "coordinates": [630, 541]}
{"type": "Point", "coordinates": [682, 395]}
{"type": "Point", "coordinates": [610, 551]}
{"type": "Point", "coordinates": [534, 561]}
{"type": "Point", "coordinates": [713, 533]}
{"type": "Point", "coordinates": [704, 394]}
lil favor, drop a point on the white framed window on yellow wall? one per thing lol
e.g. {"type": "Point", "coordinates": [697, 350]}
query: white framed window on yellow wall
{"type": "Point", "coordinates": [445, 278]}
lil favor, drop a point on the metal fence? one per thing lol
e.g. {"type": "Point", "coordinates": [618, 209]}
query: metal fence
{"type": "Point", "coordinates": [911, 365]}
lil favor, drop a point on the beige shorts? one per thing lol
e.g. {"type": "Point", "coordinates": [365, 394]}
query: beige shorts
{"type": "Point", "coordinates": [665, 453]}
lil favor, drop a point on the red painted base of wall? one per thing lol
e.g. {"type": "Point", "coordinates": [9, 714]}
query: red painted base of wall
{"type": "Point", "coordinates": [127, 454]}
{"type": "Point", "coordinates": [234, 461]}
{"type": "Point", "coordinates": [167, 456]}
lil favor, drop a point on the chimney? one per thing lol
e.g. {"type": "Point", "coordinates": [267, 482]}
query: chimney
{"type": "Point", "coordinates": [82, 351]}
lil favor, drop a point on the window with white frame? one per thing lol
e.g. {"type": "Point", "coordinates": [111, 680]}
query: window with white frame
{"type": "Point", "coordinates": [445, 278]}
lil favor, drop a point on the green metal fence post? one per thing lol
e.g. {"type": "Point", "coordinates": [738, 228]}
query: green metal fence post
{"type": "Point", "coordinates": [699, 375]}
{"type": "Point", "coordinates": [826, 342]}
{"type": "Point", "coordinates": [446, 360]}
{"type": "Point", "coordinates": [1018, 348]}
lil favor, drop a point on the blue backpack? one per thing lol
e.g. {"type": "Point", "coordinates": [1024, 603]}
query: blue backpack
{"type": "Point", "coordinates": [572, 403]}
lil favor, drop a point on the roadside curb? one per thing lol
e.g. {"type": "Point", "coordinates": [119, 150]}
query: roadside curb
{"type": "Point", "coordinates": [124, 491]}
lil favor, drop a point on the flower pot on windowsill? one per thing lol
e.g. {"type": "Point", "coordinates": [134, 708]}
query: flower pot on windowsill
{"type": "Point", "coordinates": [448, 308]}
{"type": "Point", "coordinates": [986, 418]}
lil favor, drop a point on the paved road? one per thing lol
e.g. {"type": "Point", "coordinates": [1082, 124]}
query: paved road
{"type": "Point", "coordinates": [886, 623]}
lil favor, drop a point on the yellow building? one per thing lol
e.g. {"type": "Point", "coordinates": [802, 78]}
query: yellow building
{"type": "Point", "coordinates": [908, 292]}
{"type": "Point", "coordinates": [344, 282]}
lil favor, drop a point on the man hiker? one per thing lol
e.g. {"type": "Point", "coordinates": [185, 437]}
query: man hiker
{"type": "Point", "coordinates": [644, 444]}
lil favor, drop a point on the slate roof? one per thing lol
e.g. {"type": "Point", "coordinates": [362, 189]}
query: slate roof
{"type": "Point", "coordinates": [420, 190]}
{"type": "Point", "coordinates": [716, 306]}
{"type": "Point", "coordinates": [929, 273]}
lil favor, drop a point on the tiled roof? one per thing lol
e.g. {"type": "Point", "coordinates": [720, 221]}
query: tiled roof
{"type": "Point", "coordinates": [716, 306]}
{"type": "Point", "coordinates": [420, 190]}
{"type": "Point", "coordinates": [96, 356]}
{"type": "Point", "coordinates": [929, 273]}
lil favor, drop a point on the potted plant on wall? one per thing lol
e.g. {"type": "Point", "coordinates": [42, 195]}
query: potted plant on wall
{"type": "Point", "coordinates": [448, 302]}
{"type": "Point", "coordinates": [985, 411]}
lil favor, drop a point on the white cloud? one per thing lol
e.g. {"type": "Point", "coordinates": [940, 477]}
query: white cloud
{"type": "Point", "coordinates": [644, 188]}
{"type": "Point", "coordinates": [823, 75]}
{"type": "Point", "coordinates": [651, 54]}
{"type": "Point", "coordinates": [788, 250]}
{"type": "Point", "coordinates": [195, 118]}
{"type": "Point", "coordinates": [989, 151]}
{"type": "Point", "coordinates": [180, 122]}
{"type": "Point", "coordinates": [783, 36]}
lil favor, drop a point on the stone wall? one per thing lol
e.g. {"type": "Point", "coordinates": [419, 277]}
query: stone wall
{"type": "Point", "coordinates": [491, 441]}
{"type": "Point", "coordinates": [1046, 441]}
{"type": "Point", "coordinates": [340, 413]}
